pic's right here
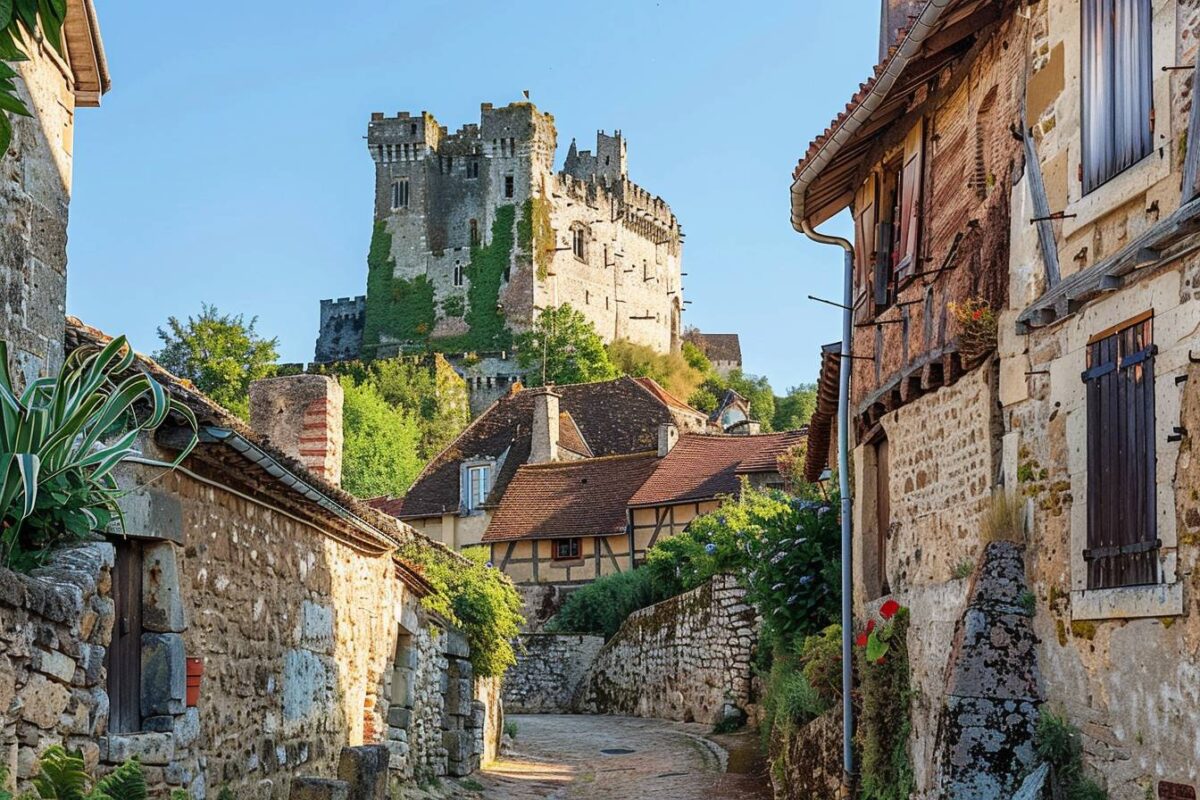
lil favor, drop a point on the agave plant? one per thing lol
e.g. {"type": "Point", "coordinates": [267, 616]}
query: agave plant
{"type": "Point", "coordinates": [60, 440]}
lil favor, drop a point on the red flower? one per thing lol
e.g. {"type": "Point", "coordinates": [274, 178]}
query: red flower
{"type": "Point", "coordinates": [889, 609]}
{"type": "Point", "coordinates": [880, 660]}
{"type": "Point", "coordinates": [870, 625]}
{"type": "Point", "coordinates": [861, 641]}
{"type": "Point", "coordinates": [977, 315]}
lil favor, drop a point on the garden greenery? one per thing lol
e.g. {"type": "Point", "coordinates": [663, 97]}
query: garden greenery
{"type": "Point", "coordinates": [63, 776]}
{"type": "Point", "coordinates": [380, 454]}
{"type": "Point", "coordinates": [563, 347]}
{"type": "Point", "coordinates": [476, 598]}
{"type": "Point", "coordinates": [885, 722]}
{"type": "Point", "coordinates": [603, 605]}
{"type": "Point", "coordinates": [60, 440]}
{"type": "Point", "coordinates": [19, 23]}
{"type": "Point", "coordinates": [1058, 742]}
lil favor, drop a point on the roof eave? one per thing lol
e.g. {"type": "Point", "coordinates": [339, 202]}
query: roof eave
{"type": "Point", "coordinates": [89, 64]}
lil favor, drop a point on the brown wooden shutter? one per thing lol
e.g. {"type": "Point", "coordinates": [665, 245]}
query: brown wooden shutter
{"type": "Point", "coordinates": [1122, 541]}
{"type": "Point", "coordinates": [910, 198]}
{"type": "Point", "coordinates": [865, 213]}
{"type": "Point", "coordinates": [125, 650]}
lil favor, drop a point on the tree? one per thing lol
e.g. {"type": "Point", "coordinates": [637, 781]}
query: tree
{"type": "Point", "coordinates": [220, 353]}
{"type": "Point", "coordinates": [795, 409]}
{"type": "Point", "coordinates": [379, 455]}
{"type": "Point", "coordinates": [563, 347]}
{"type": "Point", "coordinates": [757, 390]}
{"type": "Point", "coordinates": [672, 371]}
{"type": "Point", "coordinates": [441, 412]}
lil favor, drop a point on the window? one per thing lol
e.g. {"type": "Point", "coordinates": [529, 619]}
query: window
{"type": "Point", "coordinates": [449, 165]}
{"type": "Point", "coordinates": [413, 129]}
{"type": "Point", "coordinates": [473, 169]}
{"type": "Point", "coordinates": [567, 549]}
{"type": "Point", "coordinates": [579, 243]}
{"type": "Point", "coordinates": [508, 185]}
{"type": "Point", "coordinates": [474, 233]}
{"type": "Point", "coordinates": [403, 666]}
{"type": "Point", "coordinates": [458, 274]}
{"type": "Point", "coordinates": [479, 483]}
{"type": "Point", "coordinates": [400, 193]}
{"type": "Point", "coordinates": [1122, 534]}
{"type": "Point", "coordinates": [1117, 87]}
{"type": "Point", "coordinates": [125, 652]}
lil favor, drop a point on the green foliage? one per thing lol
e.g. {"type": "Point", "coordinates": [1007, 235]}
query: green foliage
{"type": "Point", "coordinates": [220, 353]}
{"type": "Point", "coordinates": [380, 454]}
{"type": "Point", "coordinates": [821, 657]}
{"type": "Point", "coordinates": [885, 722]}
{"type": "Point", "coordinates": [126, 782]}
{"type": "Point", "coordinates": [474, 597]}
{"type": "Point", "coordinates": [963, 569]}
{"type": "Point", "coordinates": [602, 605]}
{"type": "Point", "coordinates": [510, 729]}
{"type": "Point", "coordinates": [399, 309]}
{"type": "Point", "coordinates": [795, 409]}
{"type": "Point", "coordinates": [563, 347]}
{"type": "Point", "coordinates": [1028, 602]}
{"type": "Point", "coordinates": [486, 272]}
{"type": "Point", "coordinates": [225, 794]}
{"type": "Point", "coordinates": [757, 391]}
{"type": "Point", "coordinates": [1058, 742]}
{"type": "Point", "coordinates": [60, 441]}
{"type": "Point", "coordinates": [535, 236]}
{"type": "Point", "coordinates": [62, 776]}
{"type": "Point", "coordinates": [454, 306]}
{"type": "Point", "coordinates": [789, 699]}
{"type": "Point", "coordinates": [19, 23]}
{"type": "Point", "coordinates": [671, 370]}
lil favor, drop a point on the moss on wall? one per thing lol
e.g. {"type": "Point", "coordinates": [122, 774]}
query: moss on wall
{"type": "Point", "coordinates": [535, 235]}
{"type": "Point", "coordinates": [488, 327]}
{"type": "Point", "coordinates": [397, 308]}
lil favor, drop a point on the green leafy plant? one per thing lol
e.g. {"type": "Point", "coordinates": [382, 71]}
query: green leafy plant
{"type": "Point", "coordinates": [600, 607]}
{"type": "Point", "coordinates": [60, 441]}
{"type": "Point", "coordinates": [510, 729]}
{"type": "Point", "coordinates": [1028, 602]}
{"type": "Point", "coordinates": [1058, 742]}
{"type": "Point", "coordinates": [63, 776]}
{"type": "Point", "coordinates": [19, 22]}
{"type": "Point", "coordinates": [670, 370]}
{"type": "Point", "coordinates": [886, 692]}
{"type": "Point", "coordinates": [563, 347]}
{"type": "Point", "coordinates": [963, 569]}
{"type": "Point", "coordinates": [380, 454]}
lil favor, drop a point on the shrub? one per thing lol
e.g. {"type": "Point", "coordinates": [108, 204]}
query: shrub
{"type": "Point", "coordinates": [475, 597]}
{"type": "Point", "coordinates": [671, 370]}
{"type": "Point", "coordinates": [380, 455]}
{"type": "Point", "coordinates": [821, 658]}
{"type": "Point", "coordinates": [602, 605]}
{"type": "Point", "coordinates": [62, 776]}
{"type": "Point", "coordinates": [60, 441]}
{"type": "Point", "coordinates": [1058, 742]}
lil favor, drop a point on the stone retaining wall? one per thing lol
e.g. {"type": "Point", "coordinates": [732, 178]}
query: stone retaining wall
{"type": "Point", "coordinates": [686, 659]}
{"type": "Point", "coordinates": [549, 672]}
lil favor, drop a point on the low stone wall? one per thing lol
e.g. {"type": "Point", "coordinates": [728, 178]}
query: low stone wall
{"type": "Point", "coordinates": [549, 672]}
{"type": "Point", "coordinates": [686, 659]}
{"type": "Point", "coordinates": [55, 627]}
{"type": "Point", "coordinates": [808, 760]}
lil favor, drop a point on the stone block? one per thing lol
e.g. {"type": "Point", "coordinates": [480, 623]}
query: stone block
{"type": "Point", "coordinates": [988, 746]}
{"type": "Point", "coordinates": [399, 717]}
{"type": "Point", "coordinates": [159, 724]}
{"type": "Point", "coordinates": [151, 513]}
{"type": "Point", "coordinates": [92, 662]}
{"type": "Point", "coordinates": [154, 749]}
{"type": "Point", "coordinates": [455, 644]}
{"type": "Point", "coordinates": [163, 673]}
{"type": "Point", "coordinates": [54, 664]}
{"type": "Point", "coordinates": [42, 701]}
{"type": "Point", "coordinates": [187, 727]}
{"type": "Point", "coordinates": [162, 598]}
{"type": "Point", "coordinates": [316, 627]}
{"type": "Point", "coordinates": [318, 789]}
{"type": "Point", "coordinates": [365, 769]}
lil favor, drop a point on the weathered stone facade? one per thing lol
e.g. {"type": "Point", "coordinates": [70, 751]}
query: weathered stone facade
{"type": "Point", "coordinates": [686, 659]}
{"type": "Point", "coordinates": [550, 672]}
{"type": "Point", "coordinates": [585, 235]}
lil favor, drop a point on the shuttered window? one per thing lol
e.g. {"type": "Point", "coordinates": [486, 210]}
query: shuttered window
{"type": "Point", "coordinates": [1117, 87]}
{"type": "Point", "coordinates": [865, 218]}
{"type": "Point", "coordinates": [911, 188]}
{"type": "Point", "coordinates": [1122, 539]}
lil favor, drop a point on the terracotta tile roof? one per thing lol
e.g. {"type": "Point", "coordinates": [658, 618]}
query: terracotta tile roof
{"type": "Point", "coordinates": [209, 457]}
{"type": "Point", "coordinates": [702, 466]}
{"type": "Point", "coordinates": [824, 418]}
{"type": "Point", "coordinates": [721, 346]}
{"type": "Point", "coordinates": [572, 498]}
{"type": "Point", "coordinates": [612, 418]}
{"type": "Point", "coordinates": [656, 389]}
{"type": "Point", "coordinates": [570, 437]}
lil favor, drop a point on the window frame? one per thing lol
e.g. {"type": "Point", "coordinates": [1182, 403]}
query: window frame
{"type": "Point", "coordinates": [574, 549]}
{"type": "Point", "coordinates": [400, 193]}
{"type": "Point", "coordinates": [510, 187]}
{"type": "Point", "coordinates": [472, 500]}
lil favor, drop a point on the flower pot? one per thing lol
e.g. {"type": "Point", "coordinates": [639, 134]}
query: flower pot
{"type": "Point", "coordinates": [195, 673]}
{"type": "Point", "coordinates": [195, 667]}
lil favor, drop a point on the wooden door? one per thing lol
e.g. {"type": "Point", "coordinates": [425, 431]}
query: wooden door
{"type": "Point", "coordinates": [125, 651]}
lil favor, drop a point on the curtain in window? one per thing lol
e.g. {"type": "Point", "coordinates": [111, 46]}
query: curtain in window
{"type": "Point", "coordinates": [1117, 87]}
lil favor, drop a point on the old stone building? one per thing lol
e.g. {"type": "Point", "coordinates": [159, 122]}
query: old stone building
{"type": "Point", "coordinates": [1054, 151]}
{"type": "Point", "coordinates": [724, 350]}
{"type": "Point", "coordinates": [35, 189]}
{"type": "Point", "coordinates": [475, 231]}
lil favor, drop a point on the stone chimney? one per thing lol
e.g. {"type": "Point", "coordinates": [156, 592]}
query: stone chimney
{"type": "Point", "coordinates": [668, 435]}
{"type": "Point", "coordinates": [302, 416]}
{"type": "Point", "coordinates": [544, 447]}
{"type": "Point", "coordinates": [896, 16]}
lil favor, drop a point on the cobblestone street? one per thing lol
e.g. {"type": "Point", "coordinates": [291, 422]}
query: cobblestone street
{"type": "Point", "coordinates": [618, 758]}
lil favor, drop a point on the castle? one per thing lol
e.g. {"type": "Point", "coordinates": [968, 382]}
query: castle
{"type": "Point", "coordinates": [475, 232]}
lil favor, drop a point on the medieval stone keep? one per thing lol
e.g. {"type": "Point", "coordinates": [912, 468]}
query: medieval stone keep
{"type": "Point", "coordinates": [475, 231]}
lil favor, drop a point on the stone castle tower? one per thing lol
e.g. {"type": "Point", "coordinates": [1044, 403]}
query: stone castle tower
{"type": "Point", "coordinates": [475, 232]}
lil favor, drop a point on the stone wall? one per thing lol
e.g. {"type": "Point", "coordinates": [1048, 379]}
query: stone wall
{"type": "Point", "coordinates": [35, 192]}
{"type": "Point", "coordinates": [808, 759]}
{"type": "Point", "coordinates": [550, 672]}
{"type": "Point", "coordinates": [686, 659]}
{"type": "Point", "coordinates": [55, 627]}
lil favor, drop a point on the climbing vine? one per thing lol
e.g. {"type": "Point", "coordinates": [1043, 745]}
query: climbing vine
{"type": "Point", "coordinates": [882, 651]}
{"type": "Point", "coordinates": [535, 235]}
{"type": "Point", "coordinates": [488, 327]}
{"type": "Point", "coordinates": [398, 308]}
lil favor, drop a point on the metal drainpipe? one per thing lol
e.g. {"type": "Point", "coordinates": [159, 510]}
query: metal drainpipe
{"type": "Point", "coordinates": [843, 424]}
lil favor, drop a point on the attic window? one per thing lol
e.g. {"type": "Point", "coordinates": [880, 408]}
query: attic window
{"type": "Point", "coordinates": [478, 485]}
{"type": "Point", "coordinates": [567, 549]}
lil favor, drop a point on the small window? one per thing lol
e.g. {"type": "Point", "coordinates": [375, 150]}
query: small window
{"type": "Point", "coordinates": [449, 165]}
{"type": "Point", "coordinates": [567, 549]}
{"type": "Point", "coordinates": [579, 243]}
{"type": "Point", "coordinates": [479, 483]}
{"type": "Point", "coordinates": [474, 233]}
{"type": "Point", "coordinates": [1117, 85]}
{"type": "Point", "coordinates": [508, 186]}
{"type": "Point", "coordinates": [472, 169]}
{"type": "Point", "coordinates": [403, 667]}
{"type": "Point", "coordinates": [458, 274]}
{"type": "Point", "coordinates": [400, 193]}
{"type": "Point", "coordinates": [413, 129]}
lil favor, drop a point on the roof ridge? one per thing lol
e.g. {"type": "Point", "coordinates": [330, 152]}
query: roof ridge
{"type": "Point", "coordinates": [583, 461]}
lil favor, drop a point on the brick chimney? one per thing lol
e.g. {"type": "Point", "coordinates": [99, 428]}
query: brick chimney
{"type": "Point", "coordinates": [668, 436]}
{"type": "Point", "coordinates": [302, 416]}
{"type": "Point", "coordinates": [545, 426]}
{"type": "Point", "coordinates": [896, 16]}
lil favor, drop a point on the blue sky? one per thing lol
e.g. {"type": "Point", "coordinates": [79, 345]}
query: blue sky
{"type": "Point", "coordinates": [228, 165]}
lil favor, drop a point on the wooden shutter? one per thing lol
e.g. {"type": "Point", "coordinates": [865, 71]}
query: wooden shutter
{"type": "Point", "coordinates": [125, 650]}
{"type": "Point", "coordinates": [910, 198]}
{"type": "Point", "coordinates": [1122, 542]}
{"type": "Point", "coordinates": [866, 207]}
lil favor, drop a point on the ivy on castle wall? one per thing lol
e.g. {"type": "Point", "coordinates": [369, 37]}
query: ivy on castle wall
{"type": "Point", "coordinates": [398, 308]}
{"type": "Point", "coordinates": [488, 326]}
{"type": "Point", "coordinates": [535, 231]}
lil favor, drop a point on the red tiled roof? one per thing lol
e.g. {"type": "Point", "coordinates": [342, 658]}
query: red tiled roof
{"type": "Point", "coordinates": [572, 498]}
{"type": "Point", "coordinates": [388, 505]}
{"type": "Point", "coordinates": [570, 437]}
{"type": "Point", "coordinates": [656, 389]}
{"type": "Point", "coordinates": [702, 466]}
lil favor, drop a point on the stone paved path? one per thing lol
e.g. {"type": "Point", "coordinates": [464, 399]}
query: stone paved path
{"type": "Point", "coordinates": [564, 758]}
